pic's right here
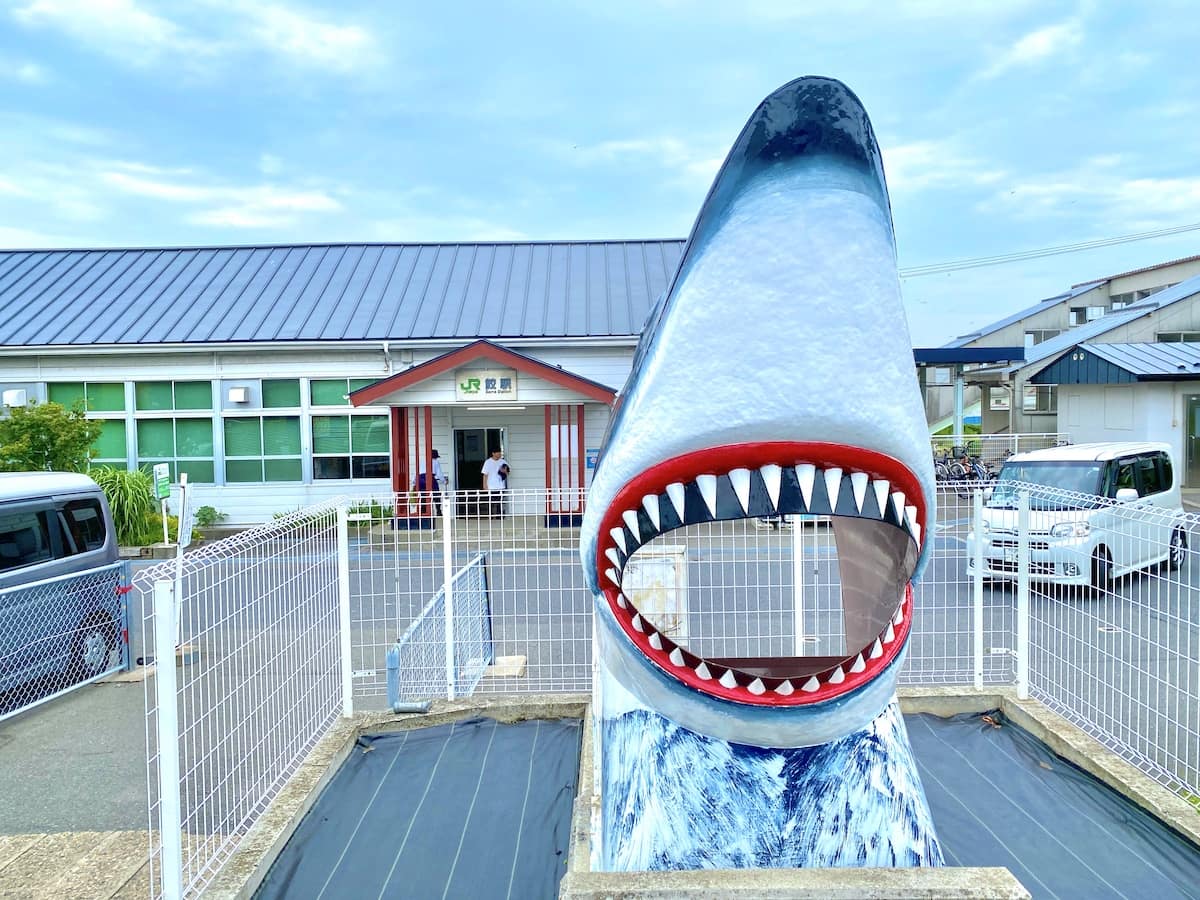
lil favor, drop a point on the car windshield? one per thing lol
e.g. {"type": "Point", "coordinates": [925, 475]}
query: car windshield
{"type": "Point", "coordinates": [1078, 477]}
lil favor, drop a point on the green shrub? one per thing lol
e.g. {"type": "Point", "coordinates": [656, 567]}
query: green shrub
{"type": "Point", "coordinates": [208, 516]}
{"type": "Point", "coordinates": [131, 497]}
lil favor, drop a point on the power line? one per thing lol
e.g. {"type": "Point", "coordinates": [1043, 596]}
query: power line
{"type": "Point", "coordinates": [981, 261]}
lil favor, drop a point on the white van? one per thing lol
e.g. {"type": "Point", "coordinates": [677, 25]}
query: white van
{"type": "Point", "coordinates": [55, 524]}
{"type": "Point", "coordinates": [1093, 534]}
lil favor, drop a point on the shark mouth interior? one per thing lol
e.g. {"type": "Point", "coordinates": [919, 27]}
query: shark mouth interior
{"type": "Point", "coordinates": [878, 516]}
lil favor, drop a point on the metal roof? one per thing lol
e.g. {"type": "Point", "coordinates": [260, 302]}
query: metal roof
{"type": "Point", "coordinates": [331, 292]}
{"type": "Point", "coordinates": [1040, 306]}
{"type": "Point", "coordinates": [1122, 364]}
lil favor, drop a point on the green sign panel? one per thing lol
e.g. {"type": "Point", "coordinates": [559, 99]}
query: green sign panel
{"type": "Point", "coordinates": [162, 481]}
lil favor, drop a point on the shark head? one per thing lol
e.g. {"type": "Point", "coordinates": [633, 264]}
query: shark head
{"type": "Point", "coordinates": [775, 376]}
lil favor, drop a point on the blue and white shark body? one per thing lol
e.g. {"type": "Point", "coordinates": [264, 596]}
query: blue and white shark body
{"type": "Point", "coordinates": [786, 309]}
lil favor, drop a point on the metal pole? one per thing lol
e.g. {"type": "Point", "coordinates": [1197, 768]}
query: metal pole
{"type": "Point", "coordinates": [1023, 595]}
{"type": "Point", "coordinates": [797, 583]}
{"type": "Point", "coordinates": [167, 698]}
{"type": "Point", "coordinates": [977, 585]}
{"type": "Point", "coordinates": [448, 594]}
{"type": "Point", "coordinates": [343, 571]}
{"type": "Point", "coordinates": [959, 384]}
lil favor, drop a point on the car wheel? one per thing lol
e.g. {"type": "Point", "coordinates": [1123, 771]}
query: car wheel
{"type": "Point", "coordinates": [1101, 570]}
{"type": "Point", "coordinates": [92, 646]}
{"type": "Point", "coordinates": [1177, 549]}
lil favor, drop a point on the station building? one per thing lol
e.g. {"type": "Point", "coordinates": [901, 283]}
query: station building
{"type": "Point", "coordinates": [279, 376]}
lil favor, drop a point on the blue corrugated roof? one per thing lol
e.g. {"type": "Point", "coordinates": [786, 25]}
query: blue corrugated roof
{"type": "Point", "coordinates": [964, 339]}
{"type": "Point", "coordinates": [333, 292]}
{"type": "Point", "coordinates": [1122, 363]}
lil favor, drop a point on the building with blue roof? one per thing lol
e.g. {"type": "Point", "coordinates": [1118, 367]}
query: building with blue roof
{"type": "Point", "coordinates": [278, 376]}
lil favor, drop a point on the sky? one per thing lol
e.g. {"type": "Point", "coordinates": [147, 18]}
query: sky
{"type": "Point", "coordinates": [1005, 127]}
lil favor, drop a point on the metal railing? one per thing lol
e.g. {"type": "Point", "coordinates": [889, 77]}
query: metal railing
{"type": "Point", "coordinates": [61, 633]}
{"type": "Point", "coordinates": [246, 636]}
{"type": "Point", "coordinates": [288, 625]}
{"type": "Point", "coordinates": [993, 449]}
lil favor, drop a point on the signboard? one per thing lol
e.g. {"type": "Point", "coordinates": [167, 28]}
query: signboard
{"type": "Point", "coordinates": [656, 581]}
{"type": "Point", "coordinates": [485, 385]}
{"type": "Point", "coordinates": [593, 456]}
{"type": "Point", "coordinates": [162, 481]}
{"type": "Point", "coordinates": [187, 520]}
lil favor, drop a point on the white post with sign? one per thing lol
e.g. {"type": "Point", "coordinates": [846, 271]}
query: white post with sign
{"type": "Point", "coordinates": [162, 490]}
{"type": "Point", "coordinates": [183, 538]}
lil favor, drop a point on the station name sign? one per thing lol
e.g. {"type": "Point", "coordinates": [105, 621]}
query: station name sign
{"type": "Point", "coordinates": [485, 385]}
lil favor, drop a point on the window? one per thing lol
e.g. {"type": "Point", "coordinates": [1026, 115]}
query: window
{"type": "Point", "coordinates": [111, 446]}
{"type": "Point", "coordinates": [172, 395]}
{"type": "Point", "coordinates": [1166, 473]}
{"type": "Point", "coordinates": [1039, 398]}
{"type": "Point", "coordinates": [185, 444]}
{"type": "Point", "coordinates": [1120, 301]}
{"type": "Point", "coordinates": [281, 393]}
{"type": "Point", "coordinates": [351, 447]}
{"type": "Point", "coordinates": [1122, 477]}
{"type": "Point", "coordinates": [262, 448]}
{"type": "Point", "coordinates": [1081, 315]}
{"type": "Point", "coordinates": [85, 523]}
{"type": "Point", "coordinates": [24, 539]}
{"type": "Point", "coordinates": [1178, 337]}
{"type": "Point", "coordinates": [1147, 470]}
{"type": "Point", "coordinates": [94, 396]}
{"type": "Point", "coordinates": [335, 391]}
{"type": "Point", "coordinates": [1037, 335]}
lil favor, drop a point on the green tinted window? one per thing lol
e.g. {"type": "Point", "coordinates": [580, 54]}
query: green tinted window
{"type": "Point", "coordinates": [328, 392]}
{"type": "Point", "coordinates": [369, 434]}
{"type": "Point", "coordinates": [106, 397]}
{"type": "Point", "coordinates": [193, 437]}
{"type": "Point", "coordinates": [198, 470]}
{"type": "Point", "coordinates": [68, 393]}
{"type": "Point", "coordinates": [280, 393]}
{"type": "Point", "coordinates": [281, 435]}
{"type": "Point", "coordinates": [331, 434]}
{"type": "Point", "coordinates": [282, 469]}
{"type": "Point", "coordinates": [155, 439]}
{"type": "Point", "coordinates": [111, 443]}
{"type": "Point", "coordinates": [193, 395]}
{"type": "Point", "coordinates": [359, 383]}
{"type": "Point", "coordinates": [243, 470]}
{"type": "Point", "coordinates": [152, 395]}
{"type": "Point", "coordinates": [243, 437]}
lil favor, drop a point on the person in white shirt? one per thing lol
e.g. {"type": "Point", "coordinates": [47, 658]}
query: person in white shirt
{"type": "Point", "coordinates": [495, 480]}
{"type": "Point", "coordinates": [439, 481]}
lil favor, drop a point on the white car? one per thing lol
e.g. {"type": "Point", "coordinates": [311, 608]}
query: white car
{"type": "Point", "coordinates": [1113, 508]}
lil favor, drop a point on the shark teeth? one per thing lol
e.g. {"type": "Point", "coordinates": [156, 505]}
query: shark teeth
{"type": "Point", "coordinates": [756, 687]}
{"type": "Point", "coordinates": [740, 479]}
{"type": "Point", "coordinates": [784, 688]}
{"type": "Point", "coordinates": [708, 490]}
{"type": "Point", "coordinates": [833, 485]}
{"type": "Point", "coordinates": [859, 482]}
{"type": "Point", "coordinates": [618, 535]}
{"type": "Point", "coordinates": [702, 672]}
{"type": "Point", "coordinates": [811, 686]}
{"type": "Point", "coordinates": [676, 657]}
{"type": "Point", "coordinates": [656, 640]}
{"type": "Point", "coordinates": [727, 680]}
{"type": "Point", "coordinates": [676, 493]}
{"type": "Point", "coordinates": [650, 504]}
{"type": "Point", "coordinates": [631, 522]}
{"type": "Point", "coordinates": [806, 474]}
{"type": "Point", "coordinates": [613, 556]}
{"type": "Point", "coordinates": [772, 475]}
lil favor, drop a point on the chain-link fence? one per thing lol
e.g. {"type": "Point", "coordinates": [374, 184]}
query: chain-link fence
{"type": "Point", "coordinates": [60, 633]}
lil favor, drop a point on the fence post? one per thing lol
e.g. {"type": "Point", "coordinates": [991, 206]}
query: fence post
{"type": "Point", "coordinates": [1023, 595]}
{"type": "Point", "coordinates": [977, 586]}
{"type": "Point", "coordinates": [448, 594]}
{"type": "Point", "coordinates": [343, 573]}
{"type": "Point", "coordinates": [167, 698]}
{"type": "Point", "coordinates": [797, 584]}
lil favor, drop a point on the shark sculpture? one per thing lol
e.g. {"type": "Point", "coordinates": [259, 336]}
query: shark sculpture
{"type": "Point", "coordinates": [775, 376]}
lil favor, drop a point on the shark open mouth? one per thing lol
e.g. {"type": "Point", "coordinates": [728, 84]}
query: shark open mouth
{"type": "Point", "coordinates": [878, 517]}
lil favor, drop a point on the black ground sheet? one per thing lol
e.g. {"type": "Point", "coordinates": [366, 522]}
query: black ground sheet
{"type": "Point", "coordinates": [472, 809]}
{"type": "Point", "coordinates": [1000, 797]}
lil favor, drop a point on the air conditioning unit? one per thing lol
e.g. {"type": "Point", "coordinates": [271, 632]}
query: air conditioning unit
{"type": "Point", "coordinates": [238, 395]}
{"type": "Point", "coordinates": [16, 397]}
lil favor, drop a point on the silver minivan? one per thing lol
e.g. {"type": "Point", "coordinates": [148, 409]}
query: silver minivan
{"type": "Point", "coordinates": [1113, 508]}
{"type": "Point", "coordinates": [56, 524]}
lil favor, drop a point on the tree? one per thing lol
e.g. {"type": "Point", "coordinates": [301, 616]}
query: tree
{"type": "Point", "coordinates": [47, 437]}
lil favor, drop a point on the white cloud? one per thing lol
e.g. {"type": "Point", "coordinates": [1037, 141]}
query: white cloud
{"type": "Point", "coordinates": [270, 164]}
{"type": "Point", "coordinates": [129, 31]}
{"type": "Point", "coordinates": [1036, 47]}
{"type": "Point", "coordinates": [693, 164]}
{"type": "Point", "coordinates": [117, 27]}
{"type": "Point", "coordinates": [309, 41]}
{"type": "Point", "coordinates": [919, 165]}
{"type": "Point", "coordinates": [233, 206]}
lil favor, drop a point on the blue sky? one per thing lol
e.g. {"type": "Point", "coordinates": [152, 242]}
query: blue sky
{"type": "Point", "coordinates": [1005, 126]}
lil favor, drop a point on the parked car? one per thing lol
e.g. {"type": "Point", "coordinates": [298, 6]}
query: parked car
{"type": "Point", "coordinates": [55, 524]}
{"type": "Point", "coordinates": [1093, 534]}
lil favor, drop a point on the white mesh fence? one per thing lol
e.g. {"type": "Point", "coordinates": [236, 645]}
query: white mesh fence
{"type": "Point", "coordinates": [60, 633]}
{"type": "Point", "coordinates": [993, 449]}
{"type": "Point", "coordinates": [258, 681]}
